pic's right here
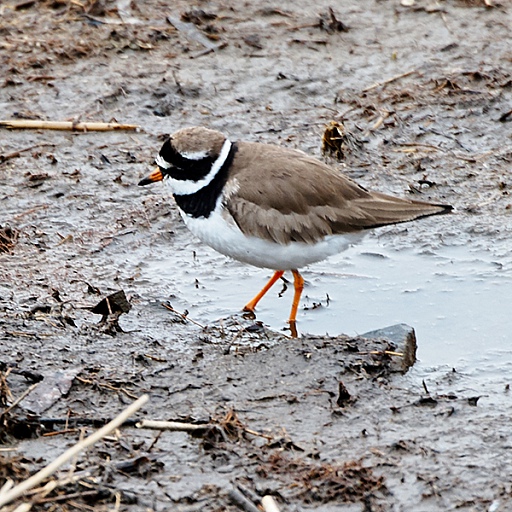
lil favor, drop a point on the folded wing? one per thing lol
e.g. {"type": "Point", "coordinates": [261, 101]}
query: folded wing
{"type": "Point", "coordinates": [295, 198]}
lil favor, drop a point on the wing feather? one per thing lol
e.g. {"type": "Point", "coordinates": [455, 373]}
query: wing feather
{"type": "Point", "coordinates": [285, 196]}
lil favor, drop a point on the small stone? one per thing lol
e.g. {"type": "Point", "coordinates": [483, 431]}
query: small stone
{"type": "Point", "coordinates": [403, 337]}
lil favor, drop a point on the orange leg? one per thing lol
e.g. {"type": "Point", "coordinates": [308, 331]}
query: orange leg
{"type": "Point", "coordinates": [251, 305]}
{"type": "Point", "coordinates": [298, 283]}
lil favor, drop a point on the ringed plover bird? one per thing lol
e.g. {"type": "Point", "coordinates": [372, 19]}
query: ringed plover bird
{"type": "Point", "coordinates": [271, 206]}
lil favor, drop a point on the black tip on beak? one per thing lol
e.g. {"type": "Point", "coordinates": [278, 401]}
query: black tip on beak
{"type": "Point", "coordinates": [152, 178]}
{"type": "Point", "coordinates": [145, 181]}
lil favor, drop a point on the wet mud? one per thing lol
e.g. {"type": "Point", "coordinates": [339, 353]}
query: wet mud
{"type": "Point", "coordinates": [105, 296]}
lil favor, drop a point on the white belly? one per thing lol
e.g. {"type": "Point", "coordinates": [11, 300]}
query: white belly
{"type": "Point", "coordinates": [222, 234]}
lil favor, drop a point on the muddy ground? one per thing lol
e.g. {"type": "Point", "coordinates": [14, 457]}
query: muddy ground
{"type": "Point", "coordinates": [424, 91]}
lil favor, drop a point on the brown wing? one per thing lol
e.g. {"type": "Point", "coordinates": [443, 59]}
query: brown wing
{"type": "Point", "coordinates": [288, 196]}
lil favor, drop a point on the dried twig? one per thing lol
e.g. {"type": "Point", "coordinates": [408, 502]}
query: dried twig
{"type": "Point", "coordinates": [381, 353]}
{"type": "Point", "coordinates": [24, 507]}
{"type": "Point", "coordinates": [30, 211]}
{"type": "Point", "coordinates": [386, 352]}
{"type": "Point", "coordinates": [473, 158]}
{"type": "Point", "coordinates": [178, 426]}
{"type": "Point", "coordinates": [20, 398]}
{"type": "Point", "coordinates": [377, 124]}
{"type": "Point", "coordinates": [389, 80]}
{"type": "Point", "coordinates": [66, 125]}
{"type": "Point", "coordinates": [248, 493]}
{"type": "Point", "coordinates": [105, 385]}
{"type": "Point", "coordinates": [269, 504]}
{"type": "Point", "coordinates": [173, 426]}
{"type": "Point", "coordinates": [415, 145]}
{"type": "Point", "coordinates": [7, 486]}
{"type": "Point", "coordinates": [182, 315]}
{"type": "Point", "coordinates": [196, 430]}
{"type": "Point", "coordinates": [48, 470]}
{"type": "Point", "coordinates": [16, 154]}
{"type": "Point", "coordinates": [54, 484]}
{"type": "Point", "coordinates": [241, 501]}
{"type": "Point", "coordinates": [257, 434]}
{"type": "Point", "coordinates": [60, 432]}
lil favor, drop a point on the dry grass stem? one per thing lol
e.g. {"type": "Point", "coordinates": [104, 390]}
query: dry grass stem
{"type": "Point", "coordinates": [65, 125]}
{"type": "Point", "coordinates": [174, 426]}
{"type": "Point", "coordinates": [20, 398]}
{"type": "Point", "coordinates": [48, 470]}
{"type": "Point", "coordinates": [389, 80]}
{"type": "Point", "coordinates": [269, 504]}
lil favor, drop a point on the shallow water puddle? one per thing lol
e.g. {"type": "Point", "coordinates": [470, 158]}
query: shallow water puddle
{"type": "Point", "coordinates": [455, 297]}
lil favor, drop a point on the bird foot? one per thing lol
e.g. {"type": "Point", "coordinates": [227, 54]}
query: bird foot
{"type": "Point", "coordinates": [249, 313]}
{"type": "Point", "coordinates": [293, 329]}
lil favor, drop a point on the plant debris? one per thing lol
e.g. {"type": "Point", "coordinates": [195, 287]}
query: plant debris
{"type": "Point", "coordinates": [8, 238]}
{"type": "Point", "coordinates": [338, 142]}
{"type": "Point", "coordinates": [330, 23]}
{"type": "Point", "coordinates": [317, 483]}
{"type": "Point", "coordinates": [111, 308]}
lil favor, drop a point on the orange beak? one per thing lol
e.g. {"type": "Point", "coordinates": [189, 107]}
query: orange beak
{"type": "Point", "coordinates": [155, 176]}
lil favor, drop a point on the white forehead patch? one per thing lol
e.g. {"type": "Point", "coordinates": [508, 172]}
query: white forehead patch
{"type": "Point", "coordinates": [161, 162]}
{"type": "Point", "coordinates": [195, 155]}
